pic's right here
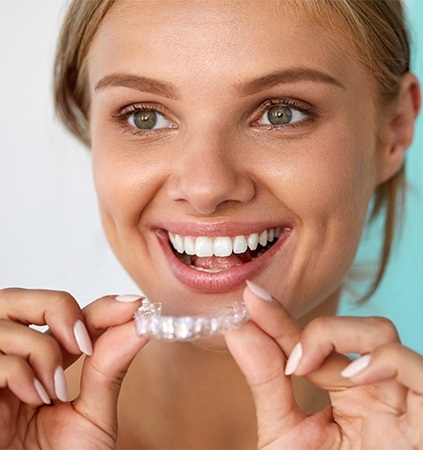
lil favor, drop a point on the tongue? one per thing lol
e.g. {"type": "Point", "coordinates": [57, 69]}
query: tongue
{"type": "Point", "coordinates": [217, 262]}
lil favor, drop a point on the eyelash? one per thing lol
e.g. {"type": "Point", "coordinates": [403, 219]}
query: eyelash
{"type": "Point", "coordinates": [123, 115]}
{"type": "Point", "coordinates": [304, 108]}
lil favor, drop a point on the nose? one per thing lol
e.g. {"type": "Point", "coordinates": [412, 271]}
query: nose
{"type": "Point", "coordinates": [209, 173]}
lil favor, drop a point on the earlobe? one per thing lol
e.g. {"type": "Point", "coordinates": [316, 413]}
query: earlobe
{"type": "Point", "coordinates": [399, 131]}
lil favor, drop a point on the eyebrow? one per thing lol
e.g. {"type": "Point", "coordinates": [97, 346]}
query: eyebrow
{"type": "Point", "coordinates": [139, 83]}
{"type": "Point", "coordinates": [146, 84]}
{"type": "Point", "coordinates": [284, 77]}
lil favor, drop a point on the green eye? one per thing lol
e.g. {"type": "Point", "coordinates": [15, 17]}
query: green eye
{"type": "Point", "coordinates": [279, 115]}
{"type": "Point", "coordinates": [145, 120]}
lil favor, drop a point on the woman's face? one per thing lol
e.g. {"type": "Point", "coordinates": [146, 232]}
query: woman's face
{"type": "Point", "coordinates": [214, 122]}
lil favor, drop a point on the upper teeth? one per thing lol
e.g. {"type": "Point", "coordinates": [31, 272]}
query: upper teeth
{"type": "Point", "coordinates": [223, 246]}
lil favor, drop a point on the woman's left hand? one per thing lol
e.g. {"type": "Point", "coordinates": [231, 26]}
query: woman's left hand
{"type": "Point", "coordinates": [377, 402]}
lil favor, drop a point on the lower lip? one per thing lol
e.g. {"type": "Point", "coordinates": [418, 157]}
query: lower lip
{"type": "Point", "coordinates": [220, 282]}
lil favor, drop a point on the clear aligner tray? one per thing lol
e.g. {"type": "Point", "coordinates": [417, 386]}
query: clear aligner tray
{"type": "Point", "coordinates": [149, 322]}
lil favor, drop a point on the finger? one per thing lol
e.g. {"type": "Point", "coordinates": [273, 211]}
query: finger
{"type": "Point", "coordinates": [274, 319]}
{"type": "Point", "coordinates": [58, 310]}
{"type": "Point", "coordinates": [394, 362]}
{"type": "Point", "coordinates": [108, 311]}
{"type": "Point", "coordinates": [324, 335]}
{"type": "Point", "coordinates": [98, 316]}
{"type": "Point", "coordinates": [17, 376]}
{"type": "Point", "coordinates": [40, 351]}
{"type": "Point", "coordinates": [262, 363]}
{"type": "Point", "coordinates": [390, 361]}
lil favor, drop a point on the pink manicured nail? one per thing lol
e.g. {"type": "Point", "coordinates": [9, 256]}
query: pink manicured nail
{"type": "Point", "coordinates": [82, 338]}
{"type": "Point", "coordinates": [60, 386]}
{"type": "Point", "coordinates": [356, 366]}
{"type": "Point", "coordinates": [41, 392]}
{"type": "Point", "coordinates": [128, 298]}
{"type": "Point", "coordinates": [259, 291]}
{"type": "Point", "coordinates": [294, 359]}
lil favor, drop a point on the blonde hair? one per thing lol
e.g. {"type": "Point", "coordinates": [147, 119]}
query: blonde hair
{"type": "Point", "coordinates": [375, 29]}
{"type": "Point", "coordinates": [71, 96]}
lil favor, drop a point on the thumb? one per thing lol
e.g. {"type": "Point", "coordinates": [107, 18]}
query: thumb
{"type": "Point", "coordinates": [262, 362]}
{"type": "Point", "coordinates": [103, 373]}
{"type": "Point", "coordinates": [111, 326]}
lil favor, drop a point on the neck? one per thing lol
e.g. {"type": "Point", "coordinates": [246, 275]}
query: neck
{"type": "Point", "coordinates": [189, 398]}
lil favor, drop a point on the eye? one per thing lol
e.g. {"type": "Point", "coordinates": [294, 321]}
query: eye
{"type": "Point", "coordinates": [148, 120]}
{"type": "Point", "coordinates": [281, 115]}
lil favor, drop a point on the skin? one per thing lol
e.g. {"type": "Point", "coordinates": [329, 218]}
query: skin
{"type": "Point", "coordinates": [217, 167]}
{"type": "Point", "coordinates": [214, 169]}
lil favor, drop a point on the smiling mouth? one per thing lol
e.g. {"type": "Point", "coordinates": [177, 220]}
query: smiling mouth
{"type": "Point", "coordinates": [216, 254]}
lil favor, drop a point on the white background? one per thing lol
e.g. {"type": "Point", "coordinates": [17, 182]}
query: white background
{"type": "Point", "coordinates": [50, 234]}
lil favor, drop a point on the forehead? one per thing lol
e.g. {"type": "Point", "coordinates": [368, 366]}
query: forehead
{"type": "Point", "coordinates": [219, 39]}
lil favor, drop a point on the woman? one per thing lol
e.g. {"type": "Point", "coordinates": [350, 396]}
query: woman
{"type": "Point", "coordinates": [214, 125]}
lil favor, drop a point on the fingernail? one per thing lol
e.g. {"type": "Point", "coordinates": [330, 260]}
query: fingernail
{"type": "Point", "coordinates": [41, 392]}
{"type": "Point", "coordinates": [60, 385]}
{"type": "Point", "coordinates": [127, 298]}
{"type": "Point", "coordinates": [294, 359]}
{"type": "Point", "coordinates": [356, 366]}
{"type": "Point", "coordinates": [82, 338]}
{"type": "Point", "coordinates": [259, 291]}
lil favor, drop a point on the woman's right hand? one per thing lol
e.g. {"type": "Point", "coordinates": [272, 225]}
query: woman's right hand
{"type": "Point", "coordinates": [32, 384]}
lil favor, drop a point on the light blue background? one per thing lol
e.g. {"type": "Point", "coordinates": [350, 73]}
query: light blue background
{"type": "Point", "coordinates": [400, 297]}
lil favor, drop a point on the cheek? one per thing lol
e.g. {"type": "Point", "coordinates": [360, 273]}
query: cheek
{"type": "Point", "coordinates": [334, 189]}
{"type": "Point", "coordinates": [331, 201]}
{"type": "Point", "coordinates": [331, 179]}
{"type": "Point", "coordinates": [327, 187]}
{"type": "Point", "coordinates": [126, 181]}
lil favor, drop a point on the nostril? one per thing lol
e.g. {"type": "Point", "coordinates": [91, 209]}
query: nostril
{"type": "Point", "coordinates": [210, 183]}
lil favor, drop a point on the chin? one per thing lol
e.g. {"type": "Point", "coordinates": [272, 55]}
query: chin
{"type": "Point", "coordinates": [213, 343]}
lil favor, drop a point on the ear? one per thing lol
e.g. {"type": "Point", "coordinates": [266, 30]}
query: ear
{"type": "Point", "coordinates": [398, 130]}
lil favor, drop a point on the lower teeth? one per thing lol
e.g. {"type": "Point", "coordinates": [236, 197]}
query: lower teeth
{"type": "Point", "coordinates": [204, 269]}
